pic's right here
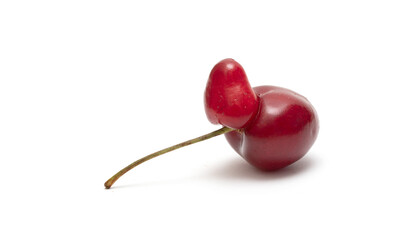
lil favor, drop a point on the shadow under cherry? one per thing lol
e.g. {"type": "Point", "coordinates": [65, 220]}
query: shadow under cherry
{"type": "Point", "coordinates": [238, 169]}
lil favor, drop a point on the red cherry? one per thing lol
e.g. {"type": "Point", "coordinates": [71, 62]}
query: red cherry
{"type": "Point", "coordinates": [229, 99]}
{"type": "Point", "coordinates": [282, 132]}
{"type": "Point", "coordinates": [271, 127]}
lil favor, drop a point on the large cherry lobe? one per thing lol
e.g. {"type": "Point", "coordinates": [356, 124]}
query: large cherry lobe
{"type": "Point", "coordinates": [229, 99]}
{"type": "Point", "coordinates": [284, 129]}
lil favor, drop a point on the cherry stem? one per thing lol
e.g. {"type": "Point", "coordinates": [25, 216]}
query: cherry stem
{"type": "Point", "coordinates": [115, 177]}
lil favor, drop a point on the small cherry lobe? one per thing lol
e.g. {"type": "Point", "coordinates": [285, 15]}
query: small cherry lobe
{"type": "Point", "coordinates": [229, 98]}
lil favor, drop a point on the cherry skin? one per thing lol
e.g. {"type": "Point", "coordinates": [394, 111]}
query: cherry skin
{"type": "Point", "coordinates": [284, 129]}
{"type": "Point", "coordinates": [229, 99]}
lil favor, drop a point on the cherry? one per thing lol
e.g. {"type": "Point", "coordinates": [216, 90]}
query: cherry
{"type": "Point", "coordinates": [270, 127]}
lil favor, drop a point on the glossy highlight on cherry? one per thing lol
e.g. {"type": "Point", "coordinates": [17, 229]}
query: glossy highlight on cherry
{"type": "Point", "coordinates": [270, 127]}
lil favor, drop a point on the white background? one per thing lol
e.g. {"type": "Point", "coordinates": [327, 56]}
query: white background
{"type": "Point", "coordinates": [87, 87]}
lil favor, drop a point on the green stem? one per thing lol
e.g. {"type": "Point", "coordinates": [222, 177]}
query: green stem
{"type": "Point", "coordinates": [115, 177]}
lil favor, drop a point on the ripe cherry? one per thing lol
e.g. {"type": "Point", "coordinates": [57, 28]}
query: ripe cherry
{"type": "Point", "coordinates": [270, 127]}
